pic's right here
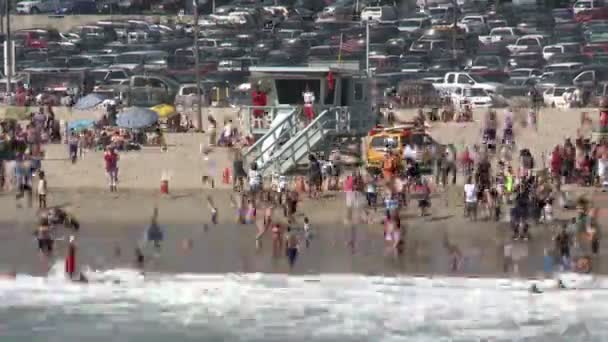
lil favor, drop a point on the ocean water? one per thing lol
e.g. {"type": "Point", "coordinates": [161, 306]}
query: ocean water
{"type": "Point", "coordinates": [123, 305]}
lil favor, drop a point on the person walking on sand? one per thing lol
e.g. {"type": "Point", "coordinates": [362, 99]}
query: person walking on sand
{"type": "Point", "coordinates": [42, 189]}
{"type": "Point", "coordinates": [292, 245]}
{"type": "Point", "coordinates": [73, 143]}
{"type": "Point", "coordinates": [111, 160]}
{"type": "Point", "coordinates": [307, 232]}
{"type": "Point", "coordinates": [213, 209]}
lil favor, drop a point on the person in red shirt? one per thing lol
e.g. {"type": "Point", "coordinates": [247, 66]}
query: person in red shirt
{"type": "Point", "coordinates": [556, 161]}
{"type": "Point", "coordinates": [111, 160]}
{"type": "Point", "coordinates": [258, 98]}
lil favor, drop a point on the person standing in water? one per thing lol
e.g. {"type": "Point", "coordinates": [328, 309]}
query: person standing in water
{"type": "Point", "coordinates": [70, 259]}
{"type": "Point", "coordinates": [154, 233]}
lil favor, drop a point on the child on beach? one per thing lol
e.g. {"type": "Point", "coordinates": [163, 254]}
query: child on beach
{"type": "Point", "coordinates": [250, 216]}
{"type": "Point", "coordinates": [42, 188]}
{"type": "Point", "coordinates": [307, 232]}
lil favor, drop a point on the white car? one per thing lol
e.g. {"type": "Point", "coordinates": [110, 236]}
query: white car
{"type": "Point", "coordinates": [557, 96]}
{"type": "Point", "coordinates": [37, 6]}
{"type": "Point", "coordinates": [476, 97]}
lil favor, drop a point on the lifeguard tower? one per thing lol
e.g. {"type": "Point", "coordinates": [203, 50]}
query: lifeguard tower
{"type": "Point", "coordinates": [284, 136]}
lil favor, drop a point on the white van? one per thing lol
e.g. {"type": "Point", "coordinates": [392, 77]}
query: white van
{"type": "Point", "coordinates": [379, 13]}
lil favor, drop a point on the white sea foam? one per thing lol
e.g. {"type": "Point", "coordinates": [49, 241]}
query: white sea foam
{"type": "Point", "coordinates": [324, 307]}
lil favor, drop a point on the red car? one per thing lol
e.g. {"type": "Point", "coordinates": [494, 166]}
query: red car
{"type": "Point", "coordinates": [591, 50]}
{"type": "Point", "coordinates": [598, 13]}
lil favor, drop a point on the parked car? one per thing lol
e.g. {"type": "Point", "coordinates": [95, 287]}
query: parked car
{"type": "Point", "coordinates": [37, 6]}
{"type": "Point", "coordinates": [77, 7]}
{"type": "Point", "coordinates": [557, 96]}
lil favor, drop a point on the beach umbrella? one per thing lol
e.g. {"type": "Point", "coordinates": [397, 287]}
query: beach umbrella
{"type": "Point", "coordinates": [164, 110]}
{"type": "Point", "coordinates": [137, 117]}
{"type": "Point", "coordinates": [79, 125]}
{"type": "Point", "coordinates": [89, 101]}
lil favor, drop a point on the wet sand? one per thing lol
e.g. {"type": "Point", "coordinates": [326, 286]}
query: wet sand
{"type": "Point", "coordinates": [111, 222]}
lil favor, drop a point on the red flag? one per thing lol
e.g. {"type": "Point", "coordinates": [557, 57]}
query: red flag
{"type": "Point", "coordinates": [330, 80]}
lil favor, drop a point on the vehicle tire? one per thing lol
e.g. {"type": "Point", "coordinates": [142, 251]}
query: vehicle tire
{"type": "Point", "coordinates": [553, 105]}
{"type": "Point", "coordinates": [34, 10]}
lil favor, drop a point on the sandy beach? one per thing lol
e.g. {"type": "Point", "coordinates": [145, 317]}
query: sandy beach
{"type": "Point", "coordinates": [112, 220]}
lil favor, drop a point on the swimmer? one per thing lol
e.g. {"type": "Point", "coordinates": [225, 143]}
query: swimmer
{"type": "Point", "coordinates": [139, 258]}
{"type": "Point", "coordinates": [534, 289]}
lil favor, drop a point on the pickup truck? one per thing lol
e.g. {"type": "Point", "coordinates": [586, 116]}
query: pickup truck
{"type": "Point", "coordinates": [531, 42]}
{"type": "Point", "coordinates": [453, 80]}
{"type": "Point", "coordinates": [475, 23]}
{"type": "Point", "coordinates": [501, 34]}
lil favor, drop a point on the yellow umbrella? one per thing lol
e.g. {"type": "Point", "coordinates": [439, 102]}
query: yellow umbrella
{"type": "Point", "coordinates": [164, 110]}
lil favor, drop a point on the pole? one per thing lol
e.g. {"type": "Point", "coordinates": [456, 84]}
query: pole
{"type": "Point", "coordinates": [340, 49]}
{"type": "Point", "coordinates": [213, 7]}
{"type": "Point", "coordinates": [454, 29]}
{"type": "Point", "coordinates": [199, 107]}
{"type": "Point", "coordinates": [367, 47]}
{"type": "Point", "coordinates": [9, 52]}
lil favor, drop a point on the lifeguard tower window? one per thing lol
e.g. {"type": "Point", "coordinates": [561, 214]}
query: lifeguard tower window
{"type": "Point", "coordinates": [290, 91]}
{"type": "Point", "coordinates": [358, 92]}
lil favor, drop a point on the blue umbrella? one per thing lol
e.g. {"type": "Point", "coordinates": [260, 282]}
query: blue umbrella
{"type": "Point", "coordinates": [137, 117]}
{"type": "Point", "coordinates": [78, 125]}
{"type": "Point", "coordinates": [89, 101]}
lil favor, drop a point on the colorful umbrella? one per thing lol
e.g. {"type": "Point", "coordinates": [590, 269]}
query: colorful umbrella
{"type": "Point", "coordinates": [89, 101]}
{"type": "Point", "coordinates": [137, 117]}
{"type": "Point", "coordinates": [164, 110]}
{"type": "Point", "coordinates": [79, 125]}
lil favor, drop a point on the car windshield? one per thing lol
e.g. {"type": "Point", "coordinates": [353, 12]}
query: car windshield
{"type": "Point", "coordinates": [501, 32]}
{"type": "Point", "coordinates": [520, 73]}
{"type": "Point", "coordinates": [515, 82]}
{"type": "Point", "coordinates": [78, 62]}
{"type": "Point", "coordinates": [478, 78]}
{"type": "Point", "coordinates": [409, 23]}
{"type": "Point", "coordinates": [422, 46]}
{"type": "Point", "coordinates": [553, 49]}
{"type": "Point", "coordinates": [129, 59]}
{"type": "Point", "coordinates": [486, 61]}
{"type": "Point", "coordinates": [560, 91]}
{"type": "Point", "coordinates": [189, 90]}
{"type": "Point", "coordinates": [98, 75]}
{"type": "Point", "coordinates": [438, 11]}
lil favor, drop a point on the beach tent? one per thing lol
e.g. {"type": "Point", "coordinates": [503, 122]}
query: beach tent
{"type": "Point", "coordinates": [79, 125]}
{"type": "Point", "coordinates": [136, 118]}
{"type": "Point", "coordinates": [90, 101]}
{"type": "Point", "coordinates": [164, 110]}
